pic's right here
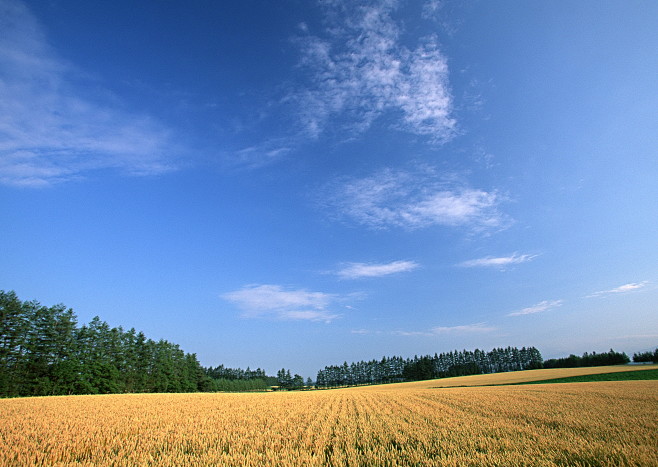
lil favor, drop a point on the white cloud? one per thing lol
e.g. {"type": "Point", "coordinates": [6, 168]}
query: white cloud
{"type": "Point", "coordinates": [497, 262]}
{"type": "Point", "coordinates": [621, 289]}
{"type": "Point", "coordinates": [463, 329]}
{"type": "Point", "coordinates": [538, 308]}
{"type": "Point", "coordinates": [414, 200]}
{"type": "Point", "coordinates": [261, 155]}
{"type": "Point", "coordinates": [51, 129]}
{"type": "Point", "coordinates": [442, 330]}
{"type": "Point", "coordinates": [360, 270]}
{"type": "Point", "coordinates": [360, 69]}
{"type": "Point", "coordinates": [273, 301]}
{"type": "Point", "coordinates": [431, 8]}
{"type": "Point", "coordinates": [307, 315]}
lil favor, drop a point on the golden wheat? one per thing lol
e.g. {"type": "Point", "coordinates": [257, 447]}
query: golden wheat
{"type": "Point", "coordinates": [514, 377]}
{"type": "Point", "coordinates": [611, 423]}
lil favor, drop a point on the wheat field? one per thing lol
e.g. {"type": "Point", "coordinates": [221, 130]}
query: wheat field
{"type": "Point", "coordinates": [601, 423]}
{"type": "Point", "coordinates": [516, 377]}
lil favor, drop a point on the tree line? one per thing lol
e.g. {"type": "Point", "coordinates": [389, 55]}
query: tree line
{"type": "Point", "coordinates": [43, 351]}
{"type": "Point", "coordinates": [456, 363]}
{"type": "Point", "coordinates": [238, 385]}
{"type": "Point", "coordinates": [222, 372]}
{"type": "Point", "coordinates": [646, 357]}
{"type": "Point", "coordinates": [588, 359]}
{"type": "Point", "coordinates": [288, 382]}
{"type": "Point", "coordinates": [237, 380]}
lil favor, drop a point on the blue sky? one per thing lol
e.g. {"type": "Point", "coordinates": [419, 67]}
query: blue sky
{"type": "Point", "coordinates": [298, 183]}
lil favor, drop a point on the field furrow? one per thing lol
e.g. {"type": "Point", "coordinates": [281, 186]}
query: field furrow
{"type": "Point", "coordinates": [611, 423]}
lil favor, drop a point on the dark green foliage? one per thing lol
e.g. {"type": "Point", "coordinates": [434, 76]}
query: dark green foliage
{"type": "Point", "coordinates": [397, 369]}
{"type": "Point", "coordinates": [44, 352]}
{"type": "Point", "coordinates": [288, 382]}
{"type": "Point", "coordinates": [646, 357]}
{"type": "Point", "coordinates": [221, 378]}
{"type": "Point", "coordinates": [419, 369]}
{"type": "Point", "coordinates": [238, 385]}
{"type": "Point", "coordinates": [221, 372]}
{"type": "Point", "coordinates": [297, 382]}
{"type": "Point", "coordinates": [463, 369]}
{"type": "Point", "coordinates": [588, 359]}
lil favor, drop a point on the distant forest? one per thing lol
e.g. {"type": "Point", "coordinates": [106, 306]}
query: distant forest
{"type": "Point", "coordinates": [457, 363]}
{"type": "Point", "coordinates": [589, 359]}
{"type": "Point", "coordinates": [43, 351]}
{"type": "Point", "coordinates": [646, 357]}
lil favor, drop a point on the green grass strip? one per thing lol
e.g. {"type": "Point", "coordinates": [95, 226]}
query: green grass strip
{"type": "Point", "coordinates": [633, 375]}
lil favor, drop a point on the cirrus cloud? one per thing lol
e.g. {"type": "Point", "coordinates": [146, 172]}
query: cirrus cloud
{"type": "Point", "coordinates": [476, 328]}
{"type": "Point", "coordinates": [361, 270]}
{"type": "Point", "coordinates": [538, 308]}
{"type": "Point", "coordinates": [277, 302]}
{"type": "Point", "coordinates": [412, 200]}
{"type": "Point", "coordinates": [497, 262]}
{"type": "Point", "coordinates": [463, 329]}
{"type": "Point", "coordinates": [52, 128]}
{"type": "Point", "coordinates": [631, 287]}
{"type": "Point", "coordinates": [359, 69]}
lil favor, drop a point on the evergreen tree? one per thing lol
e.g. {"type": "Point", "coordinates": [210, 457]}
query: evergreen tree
{"type": "Point", "coordinates": [44, 352]}
{"type": "Point", "coordinates": [454, 363]}
{"type": "Point", "coordinates": [297, 382]}
{"type": "Point", "coordinates": [646, 357]}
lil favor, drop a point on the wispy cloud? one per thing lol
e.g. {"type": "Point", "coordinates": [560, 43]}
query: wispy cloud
{"type": "Point", "coordinates": [620, 290]}
{"type": "Point", "coordinates": [276, 302]}
{"type": "Point", "coordinates": [361, 331]}
{"type": "Point", "coordinates": [261, 155]}
{"type": "Point", "coordinates": [497, 262]}
{"type": "Point", "coordinates": [414, 200]}
{"type": "Point", "coordinates": [442, 330]}
{"type": "Point", "coordinates": [52, 128]}
{"type": "Point", "coordinates": [359, 69]}
{"type": "Point", "coordinates": [538, 308]}
{"type": "Point", "coordinates": [361, 270]}
{"type": "Point", "coordinates": [431, 8]}
{"type": "Point", "coordinates": [463, 329]}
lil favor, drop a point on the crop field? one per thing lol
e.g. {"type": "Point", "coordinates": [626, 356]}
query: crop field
{"type": "Point", "coordinates": [517, 377]}
{"type": "Point", "coordinates": [601, 423]}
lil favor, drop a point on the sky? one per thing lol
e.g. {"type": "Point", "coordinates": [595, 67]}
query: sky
{"type": "Point", "coordinates": [295, 184]}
